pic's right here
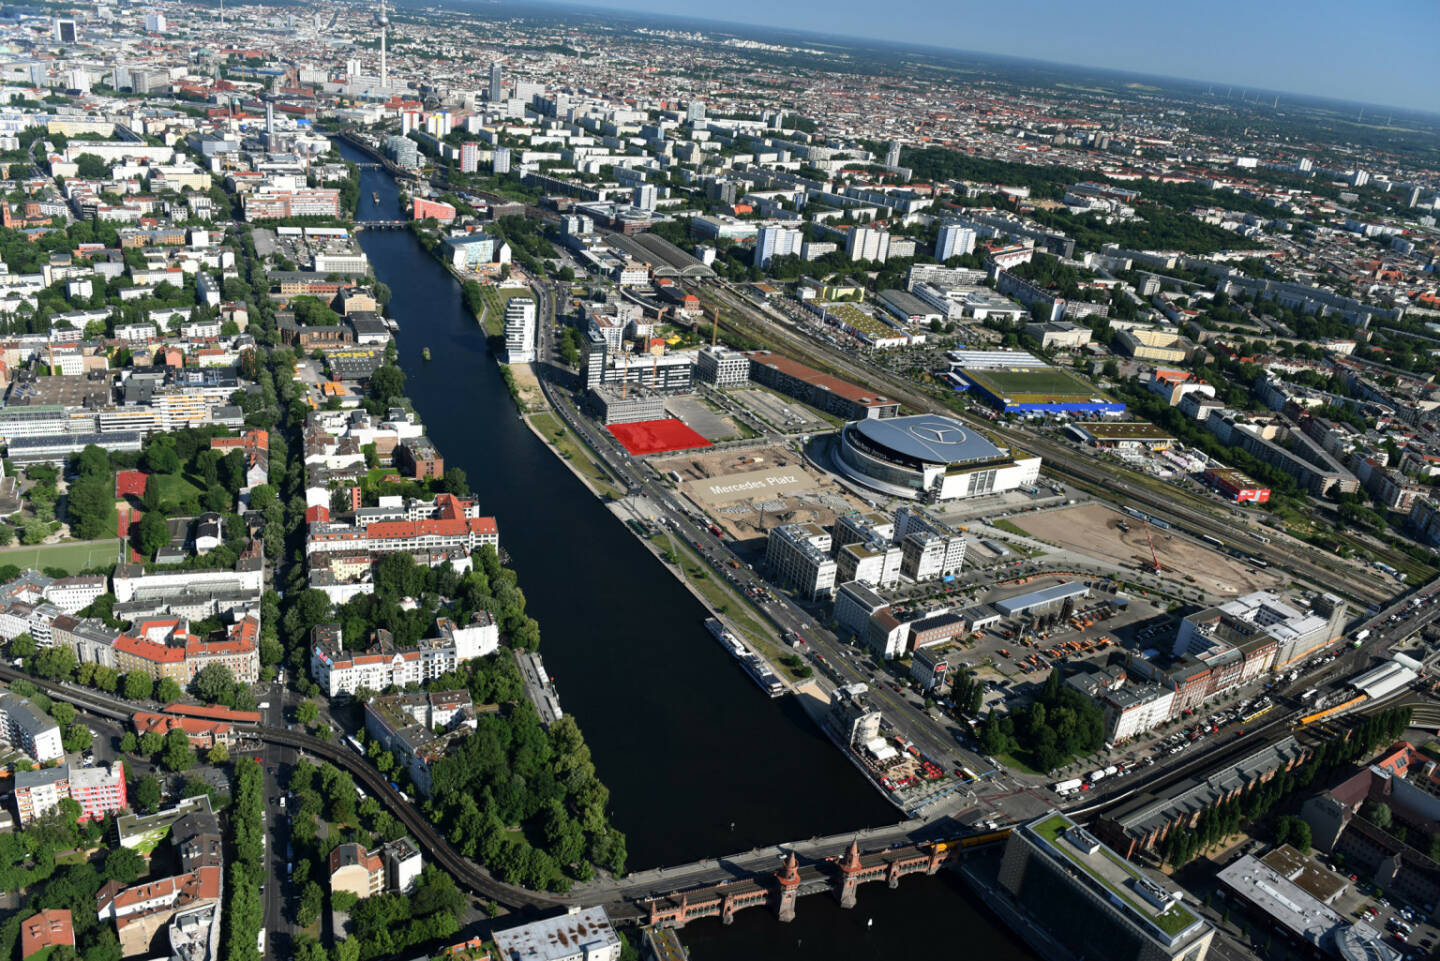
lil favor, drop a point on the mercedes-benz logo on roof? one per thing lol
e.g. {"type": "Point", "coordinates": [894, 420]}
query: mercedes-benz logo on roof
{"type": "Point", "coordinates": [937, 434]}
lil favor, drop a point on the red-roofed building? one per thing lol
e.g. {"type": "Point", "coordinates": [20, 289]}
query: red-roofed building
{"type": "Point", "coordinates": [46, 930]}
{"type": "Point", "coordinates": [212, 712]}
{"type": "Point", "coordinates": [452, 523]}
{"type": "Point", "coordinates": [165, 648]}
{"type": "Point", "coordinates": [203, 734]}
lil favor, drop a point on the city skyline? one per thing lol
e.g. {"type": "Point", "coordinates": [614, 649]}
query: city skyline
{"type": "Point", "coordinates": [1051, 29]}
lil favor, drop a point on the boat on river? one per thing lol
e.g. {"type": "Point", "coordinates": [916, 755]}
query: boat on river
{"type": "Point", "coordinates": [425, 353]}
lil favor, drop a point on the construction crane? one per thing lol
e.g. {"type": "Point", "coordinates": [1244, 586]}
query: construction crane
{"type": "Point", "coordinates": [1154, 558]}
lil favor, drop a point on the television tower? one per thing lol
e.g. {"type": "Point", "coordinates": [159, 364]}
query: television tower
{"type": "Point", "coordinates": [384, 70]}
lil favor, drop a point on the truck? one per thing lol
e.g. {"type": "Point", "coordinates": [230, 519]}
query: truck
{"type": "Point", "coordinates": [1361, 635]}
{"type": "Point", "coordinates": [1068, 787]}
{"type": "Point", "coordinates": [1112, 770]}
{"type": "Point", "coordinates": [1097, 775]}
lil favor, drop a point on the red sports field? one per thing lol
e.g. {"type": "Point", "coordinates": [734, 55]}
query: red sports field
{"type": "Point", "coordinates": [657, 436]}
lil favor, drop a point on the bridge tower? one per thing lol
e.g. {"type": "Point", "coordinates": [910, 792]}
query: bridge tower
{"type": "Point", "coordinates": [850, 868]}
{"type": "Point", "coordinates": [789, 879]}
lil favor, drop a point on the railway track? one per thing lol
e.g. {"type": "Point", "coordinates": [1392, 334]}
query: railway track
{"type": "Point", "coordinates": [1062, 462]}
{"type": "Point", "coordinates": [466, 872]}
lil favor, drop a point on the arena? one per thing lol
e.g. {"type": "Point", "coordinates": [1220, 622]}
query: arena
{"type": "Point", "coordinates": [929, 457]}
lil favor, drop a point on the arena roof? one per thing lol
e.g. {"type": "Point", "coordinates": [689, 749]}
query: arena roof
{"type": "Point", "coordinates": [929, 438]}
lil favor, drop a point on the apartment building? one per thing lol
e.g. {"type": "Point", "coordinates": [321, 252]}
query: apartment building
{"type": "Point", "coordinates": [24, 726]}
{"type": "Point", "coordinates": [98, 790]}
{"type": "Point", "coordinates": [383, 665]}
{"type": "Point", "coordinates": [354, 869]}
{"type": "Point", "coordinates": [407, 724]}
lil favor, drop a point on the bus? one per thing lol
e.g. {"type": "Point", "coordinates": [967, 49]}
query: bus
{"type": "Point", "coordinates": [354, 742]}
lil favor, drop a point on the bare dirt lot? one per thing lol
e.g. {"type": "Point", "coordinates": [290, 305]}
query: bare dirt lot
{"type": "Point", "coordinates": [1095, 530]}
{"type": "Point", "coordinates": [748, 492]}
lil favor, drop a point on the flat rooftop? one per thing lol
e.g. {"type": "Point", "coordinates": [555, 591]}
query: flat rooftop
{"type": "Point", "coordinates": [1170, 919]}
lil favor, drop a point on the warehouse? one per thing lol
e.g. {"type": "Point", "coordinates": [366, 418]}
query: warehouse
{"type": "Point", "coordinates": [1042, 599]}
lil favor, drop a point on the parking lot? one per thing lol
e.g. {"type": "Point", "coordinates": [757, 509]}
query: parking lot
{"type": "Point", "coordinates": [785, 416]}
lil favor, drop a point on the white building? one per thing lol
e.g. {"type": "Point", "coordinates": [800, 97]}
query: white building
{"type": "Point", "coordinates": [339, 671]}
{"type": "Point", "coordinates": [876, 564]}
{"type": "Point", "coordinates": [929, 548]}
{"type": "Point", "coordinates": [799, 558]}
{"type": "Point", "coordinates": [954, 240]}
{"type": "Point", "coordinates": [644, 196]}
{"type": "Point", "coordinates": [581, 935]}
{"type": "Point", "coordinates": [22, 725]}
{"type": "Point", "coordinates": [776, 240]}
{"type": "Point", "coordinates": [722, 367]}
{"type": "Point", "coordinates": [520, 330]}
{"type": "Point", "coordinates": [868, 243]}
{"type": "Point", "coordinates": [1131, 711]}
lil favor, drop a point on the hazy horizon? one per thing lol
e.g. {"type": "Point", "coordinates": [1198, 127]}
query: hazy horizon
{"type": "Point", "coordinates": [1306, 62]}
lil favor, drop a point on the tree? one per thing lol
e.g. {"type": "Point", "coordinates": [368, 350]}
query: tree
{"type": "Point", "coordinates": [21, 645]}
{"type": "Point", "coordinates": [307, 713]}
{"type": "Point", "coordinates": [151, 743]}
{"type": "Point", "coordinates": [138, 686]}
{"type": "Point", "coordinates": [62, 712]}
{"type": "Point", "coordinates": [214, 683]}
{"type": "Point", "coordinates": [77, 738]}
{"type": "Point", "coordinates": [90, 507]}
{"type": "Point", "coordinates": [147, 793]}
{"type": "Point", "coordinates": [387, 383]}
{"type": "Point", "coordinates": [219, 754]}
{"type": "Point", "coordinates": [151, 534]}
{"type": "Point", "coordinates": [177, 755]}
{"type": "Point", "coordinates": [1377, 813]}
{"type": "Point", "coordinates": [129, 743]}
{"type": "Point", "coordinates": [168, 690]}
{"type": "Point", "coordinates": [124, 865]}
{"type": "Point", "coordinates": [161, 457]}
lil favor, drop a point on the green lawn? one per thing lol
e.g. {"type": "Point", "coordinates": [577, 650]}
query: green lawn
{"type": "Point", "coordinates": [175, 488]}
{"type": "Point", "coordinates": [746, 618]}
{"type": "Point", "coordinates": [1034, 385]}
{"type": "Point", "coordinates": [573, 450]}
{"type": "Point", "coordinates": [73, 556]}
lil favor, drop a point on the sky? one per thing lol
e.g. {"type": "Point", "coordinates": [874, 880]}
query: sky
{"type": "Point", "coordinates": [1345, 50]}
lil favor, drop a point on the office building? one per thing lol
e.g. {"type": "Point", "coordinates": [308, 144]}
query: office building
{"type": "Point", "coordinates": [519, 330]}
{"type": "Point", "coordinates": [496, 93]}
{"type": "Point", "coordinates": [501, 162]}
{"type": "Point", "coordinates": [798, 556]}
{"type": "Point", "coordinates": [877, 564]}
{"type": "Point", "coordinates": [1295, 629]}
{"type": "Point", "coordinates": [1097, 904]}
{"type": "Point", "coordinates": [776, 240]}
{"type": "Point", "coordinates": [403, 864]}
{"type": "Point", "coordinates": [65, 30]}
{"type": "Point", "coordinates": [722, 367]}
{"type": "Point", "coordinates": [1286, 901]}
{"type": "Point", "coordinates": [954, 240]}
{"type": "Point", "coordinates": [808, 385]}
{"type": "Point", "coordinates": [155, 23]}
{"type": "Point", "coordinates": [581, 935]}
{"type": "Point", "coordinates": [892, 154]}
{"type": "Point", "coordinates": [644, 196]}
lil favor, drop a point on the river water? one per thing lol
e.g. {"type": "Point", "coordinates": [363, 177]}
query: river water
{"type": "Point", "coordinates": [699, 763]}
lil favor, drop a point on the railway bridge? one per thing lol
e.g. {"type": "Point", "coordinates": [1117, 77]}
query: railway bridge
{"type": "Point", "coordinates": [841, 876]}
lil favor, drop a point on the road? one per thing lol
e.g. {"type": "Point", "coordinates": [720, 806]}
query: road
{"type": "Point", "coordinates": [1062, 461]}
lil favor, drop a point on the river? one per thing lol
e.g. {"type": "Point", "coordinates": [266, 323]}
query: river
{"type": "Point", "coordinates": [699, 763]}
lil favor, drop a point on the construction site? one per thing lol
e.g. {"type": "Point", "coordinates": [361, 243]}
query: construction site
{"type": "Point", "coordinates": [748, 492]}
{"type": "Point", "coordinates": [1109, 535]}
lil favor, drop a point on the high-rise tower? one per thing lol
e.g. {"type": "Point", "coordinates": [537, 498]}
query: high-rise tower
{"type": "Point", "coordinates": [384, 28]}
